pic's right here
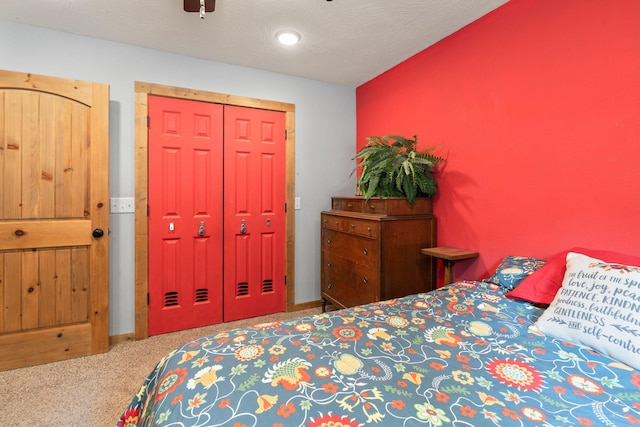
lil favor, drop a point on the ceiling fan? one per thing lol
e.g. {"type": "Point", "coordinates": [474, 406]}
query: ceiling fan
{"type": "Point", "coordinates": [201, 6]}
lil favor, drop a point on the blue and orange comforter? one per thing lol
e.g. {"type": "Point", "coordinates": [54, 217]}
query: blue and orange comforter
{"type": "Point", "coordinates": [459, 356]}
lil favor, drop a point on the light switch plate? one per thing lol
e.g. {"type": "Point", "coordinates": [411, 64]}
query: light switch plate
{"type": "Point", "coordinates": [122, 205]}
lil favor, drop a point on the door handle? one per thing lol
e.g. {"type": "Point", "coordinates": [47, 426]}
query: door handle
{"type": "Point", "coordinates": [243, 227]}
{"type": "Point", "coordinates": [201, 229]}
{"type": "Point", "coordinates": [98, 233]}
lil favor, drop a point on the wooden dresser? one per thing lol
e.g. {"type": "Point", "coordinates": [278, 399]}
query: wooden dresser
{"type": "Point", "coordinates": [371, 250]}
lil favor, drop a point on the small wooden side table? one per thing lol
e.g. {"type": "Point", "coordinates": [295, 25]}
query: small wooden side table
{"type": "Point", "coordinates": [449, 257]}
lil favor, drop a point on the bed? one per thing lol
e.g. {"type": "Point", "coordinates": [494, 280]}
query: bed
{"type": "Point", "coordinates": [467, 354]}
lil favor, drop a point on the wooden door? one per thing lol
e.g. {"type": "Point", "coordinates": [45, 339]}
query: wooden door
{"type": "Point", "coordinates": [185, 214]}
{"type": "Point", "coordinates": [54, 219]}
{"type": "Point", "coordinates": [254, 212]}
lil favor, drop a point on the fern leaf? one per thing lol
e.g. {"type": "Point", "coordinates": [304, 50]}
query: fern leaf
{"type": "Point", "coordinates": [397, 391]}
{"type": "Point", "coordinates": [454, 389]}
{"type": "Point", "coordinates": [249, 383]}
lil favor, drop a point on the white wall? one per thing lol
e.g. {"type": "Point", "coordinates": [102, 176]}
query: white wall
{"type": "Point", "coordinates": [325, 133]}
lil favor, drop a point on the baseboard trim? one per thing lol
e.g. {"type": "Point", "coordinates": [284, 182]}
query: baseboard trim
{"type": "Point", "coordinates": [304, 305]}
{"type": "Point", "coordinates": [119, 339]}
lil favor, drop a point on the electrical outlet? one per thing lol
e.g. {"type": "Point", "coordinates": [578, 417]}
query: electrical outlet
{"type": "Point", "coordinates": [296, 203]}
{"type": "Point", "coordinates": [122, 205]}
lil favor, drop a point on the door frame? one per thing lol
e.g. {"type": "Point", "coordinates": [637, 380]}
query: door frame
{"type": "Point", "coordinates": [142, 92]}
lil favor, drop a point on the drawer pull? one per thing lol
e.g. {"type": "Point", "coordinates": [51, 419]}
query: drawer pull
{"type": "Point", "coordinates": [337, 223]}
{"type": "Point", "coordinates": [328, 240]}
{"type": "Point", "coordinates": [365, 280]}
{"type": "Point", "coordinates": [366, 251]}
{"type": "Point", "coordinates": [329, 264]}
{"type": "Point", "coordinates": [353, 226]}
{"type": "Point", "coordinates": [372, 207]}
{"type": "Point", "coordinates": [329, 285]}
{"type": "Point", "coordinates": [349, 205]}
{"type": "Point", "coordinates": [368, 228]}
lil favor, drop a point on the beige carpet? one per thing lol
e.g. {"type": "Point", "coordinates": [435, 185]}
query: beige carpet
{"type": "Point", "coordinates": [93, 391]}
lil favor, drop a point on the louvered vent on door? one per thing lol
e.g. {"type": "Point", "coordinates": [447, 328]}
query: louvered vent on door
{"type": "Point", "coordinates": [171, 299]}
{"type": "Point", "coordinates": [242, 289]}
{"type": "Point", "coordinates": [202, 295]}
{"type": "Point", "coordinates": [267, 286]}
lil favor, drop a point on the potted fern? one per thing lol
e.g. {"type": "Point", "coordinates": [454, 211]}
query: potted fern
{"type": "Point", "coordinates": [391, 166]}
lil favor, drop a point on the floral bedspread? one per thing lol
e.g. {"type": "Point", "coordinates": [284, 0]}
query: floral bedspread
{"type": "Point", "coordinates": [462, 355]}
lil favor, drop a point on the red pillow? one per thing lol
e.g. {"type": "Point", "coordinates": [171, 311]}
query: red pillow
{"type": "Point", "coordinates": [541, 286]}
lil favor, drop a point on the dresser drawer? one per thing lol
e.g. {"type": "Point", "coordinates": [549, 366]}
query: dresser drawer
{"type": "Point", "coordinates": [349, 205]}
{"type": "Point", "coordinates": [361, 250]}
{"type": "Point", "coordinates": [382, 205]}
{"type": "Point", "coordinates": [332, 222]}
{"type": "Point", "coordinates": [375, 206]}
{"type": "Point", "coordinates": [345, 281]}
{"type": "Point", "coordinates": [361, 227]}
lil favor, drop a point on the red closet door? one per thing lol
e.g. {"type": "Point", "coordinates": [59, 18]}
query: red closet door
{"type": "Point", "coordinates": [185, 214]}
{"type": "Point", "coordinates": [254, 212]}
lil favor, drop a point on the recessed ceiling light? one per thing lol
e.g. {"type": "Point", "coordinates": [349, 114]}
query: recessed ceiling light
{"type": "Point", "coordinates": [288, 37]}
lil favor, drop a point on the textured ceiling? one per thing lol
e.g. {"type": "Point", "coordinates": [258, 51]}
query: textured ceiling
{"type": "Point", "coordinates": [345, 42]}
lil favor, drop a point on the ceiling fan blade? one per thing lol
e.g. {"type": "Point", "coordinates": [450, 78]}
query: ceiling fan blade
{"type": "Point", "coordinates": [194, 5]}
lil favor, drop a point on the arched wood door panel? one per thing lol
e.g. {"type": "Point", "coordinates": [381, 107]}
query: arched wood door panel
{"type": "Point", "coordinates": [54, 219]}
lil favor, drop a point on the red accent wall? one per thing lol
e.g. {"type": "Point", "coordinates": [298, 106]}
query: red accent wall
{"type": "Point", "coordinates": [537, 108]}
